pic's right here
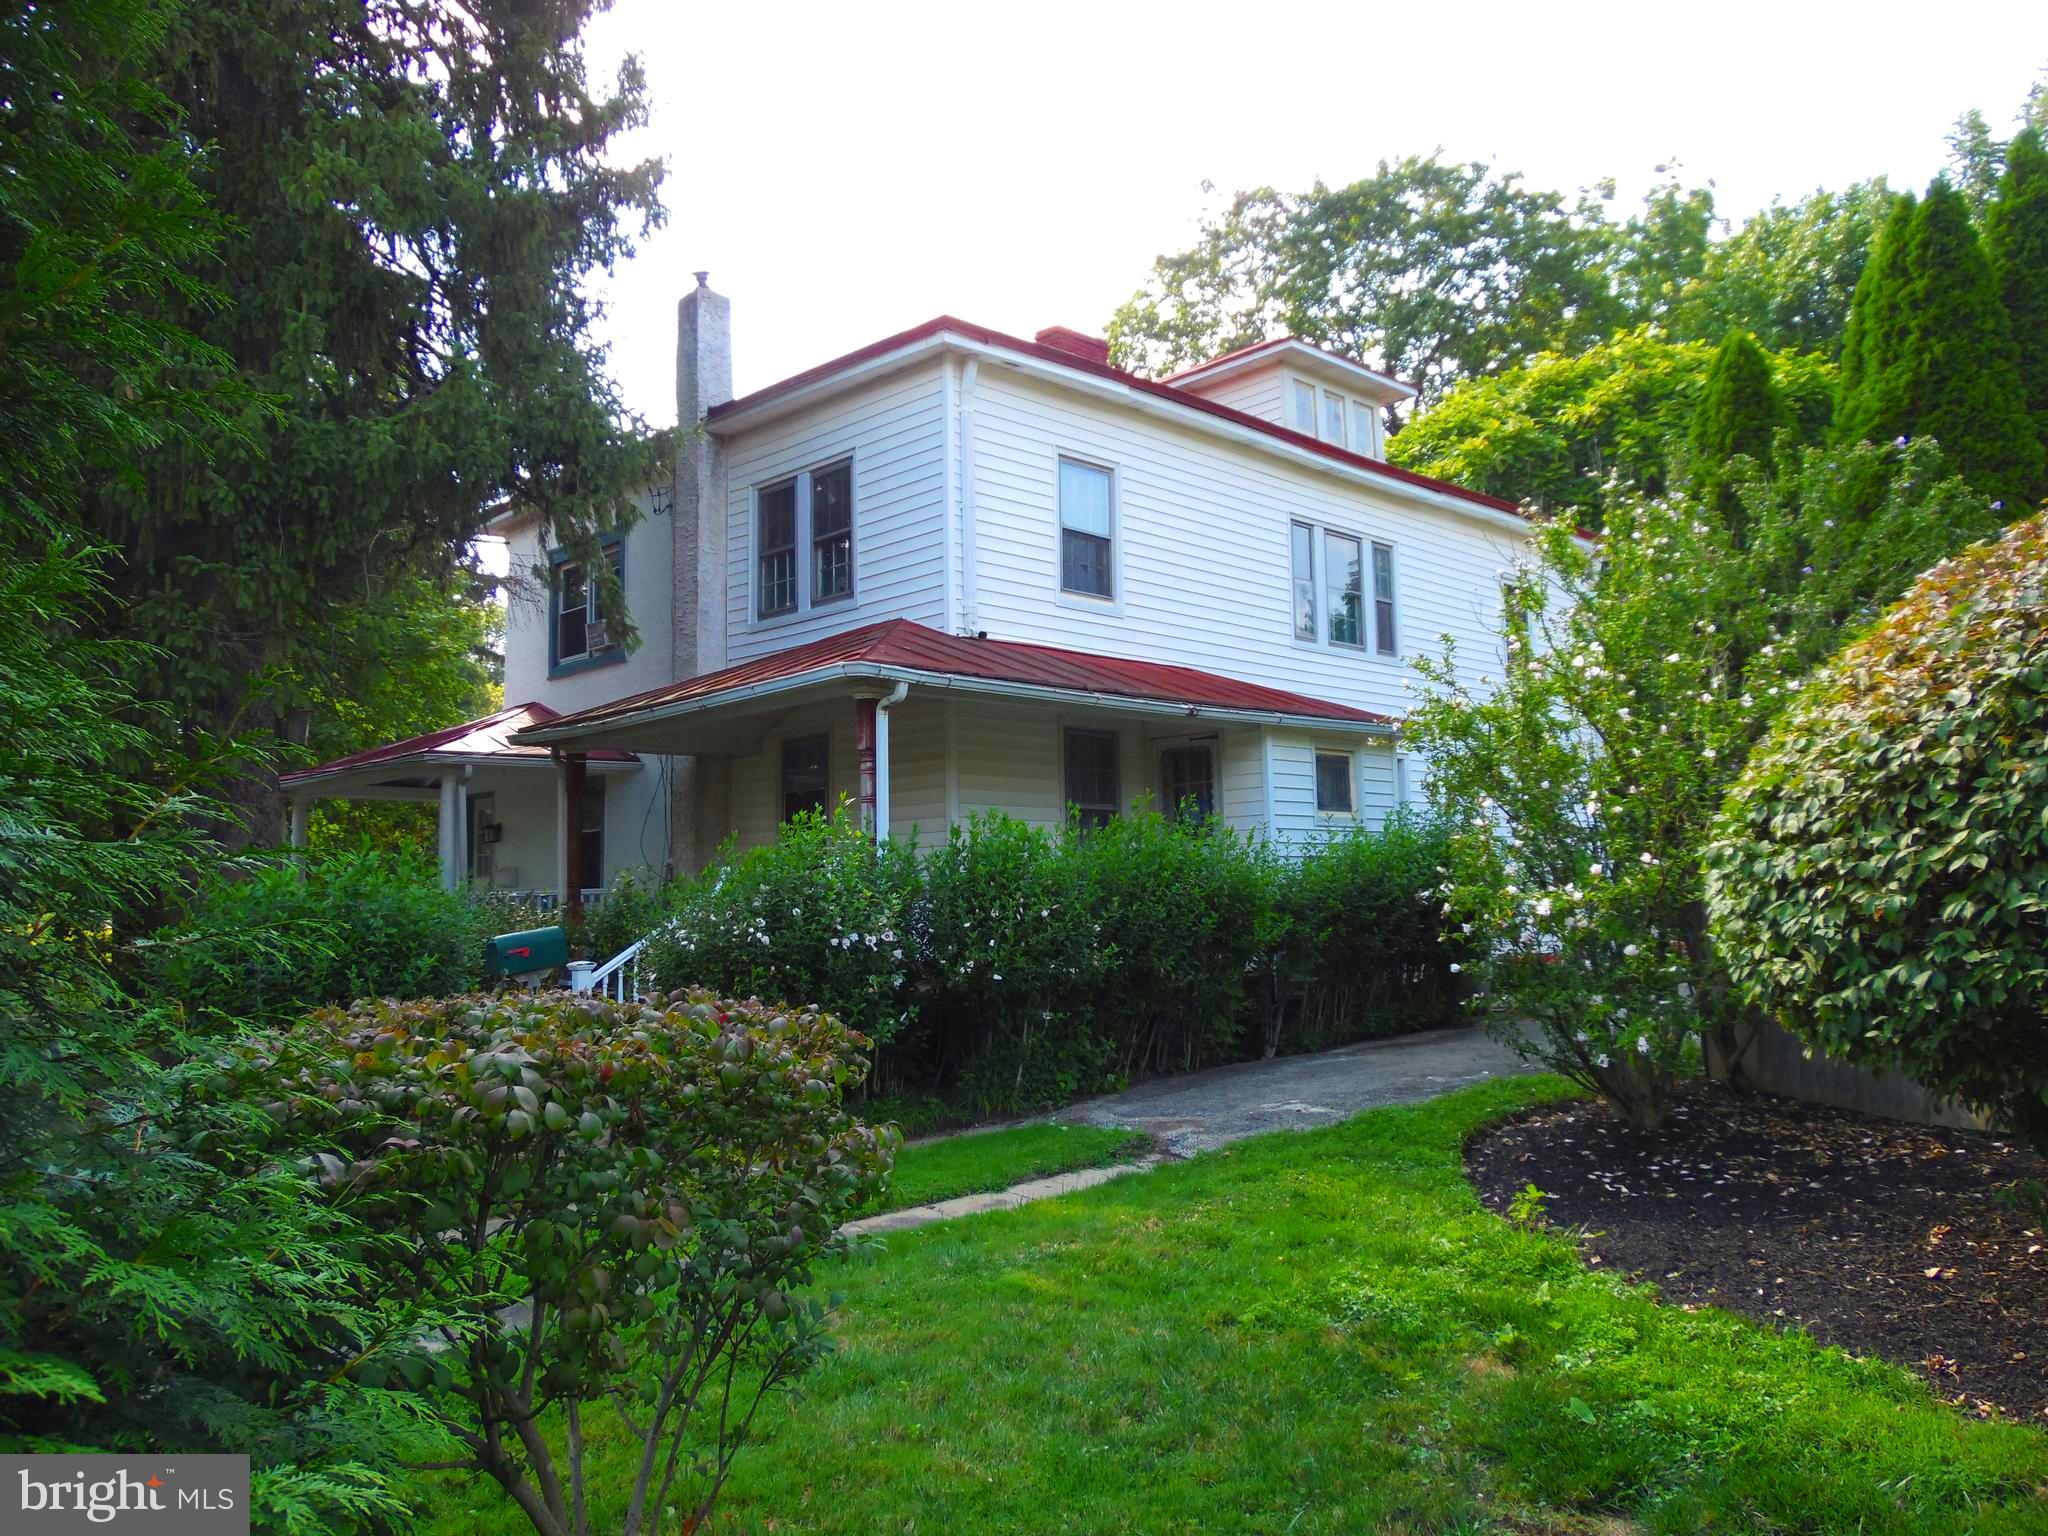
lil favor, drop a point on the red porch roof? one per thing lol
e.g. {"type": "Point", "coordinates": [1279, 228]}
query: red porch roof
{"type": "Point", "coordinates": [898, 646]}
{"type": "Point", "coordinates": [487, 738]}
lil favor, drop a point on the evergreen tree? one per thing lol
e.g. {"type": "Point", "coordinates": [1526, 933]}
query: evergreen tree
{"type": "Point", "coordinates": [418, 192]}
{"type": "Point", "coordinates": [1740, 410]}
{"type": "Point", "coordinates": [1865, 407]}
{"type": "Point", "coordinates": [2018, 238]}
{"type": "Point", "coordinates": [1961, 371]}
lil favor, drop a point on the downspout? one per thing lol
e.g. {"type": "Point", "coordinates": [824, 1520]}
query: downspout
{"type": "Point", "coordinates": [883, 705]}
{"type": "Point", "coordinates": [970, 609]}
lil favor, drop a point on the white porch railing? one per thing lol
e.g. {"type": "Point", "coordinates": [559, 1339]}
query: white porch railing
{"type": "Point", "coordinates": [618, 978]}
{"type": "Point", "coordinates": [549, 901]}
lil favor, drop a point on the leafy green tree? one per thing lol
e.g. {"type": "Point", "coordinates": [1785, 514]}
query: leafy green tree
{"type": "Point", "coordinates": [1869, 406]}
{"type": "Point", "coordinates": [1739, 414]}
{"type": "Point", "coordinates": [1431, 270]}
{"type": "Point", "coordinates": [418, 193]}
{"type": "Point", "coordinates": [1875, 880]}
{"type": "Point", "coordinates": [1551, 429]}
{"type": "Point", "coordinates": [2018, 240]}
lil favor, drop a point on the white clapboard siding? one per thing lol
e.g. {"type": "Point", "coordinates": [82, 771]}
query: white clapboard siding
{"type": "Point", "coordinates": [1203, 568]}
{"type": "Point", "coordinates": [895, 432]}
{"type": "Point", "coordinates": [1259, 392]}
{"type": "Point", "coordinates": [1297, 823]}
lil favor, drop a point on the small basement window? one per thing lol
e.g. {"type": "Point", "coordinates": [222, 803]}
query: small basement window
{"type": "Point", "coordinates": [1333, 784]}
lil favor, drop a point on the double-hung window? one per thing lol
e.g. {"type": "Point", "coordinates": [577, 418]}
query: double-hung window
{"type": "Point", "coordinates": [1091, 777]}
{"type": "Point", "coordinates": [1344, 575]}
{"type": "Point", "coordinates": [776, 531]}
{"type": "Point", "coordinates": [591, 834]}
{"type": "Point", "coordinates": [812, 510]}
{"type": "Point", "coordinates": [806, 780]}
{"type": "Point", "coordinates": [832, 533]}
{"type": "Point", "coordinates": [1303, 540]}
{"type": "Point", "coordinates": [1333, 784]}
{"type": "Point", "coordinates": [1086, 536]}
{"type": "Point", "coordinates": [579, 632]}
{"type": "Point", "coordinates": [1187, 779]}
{"type": "Point", "coordinates": [1383, 599]}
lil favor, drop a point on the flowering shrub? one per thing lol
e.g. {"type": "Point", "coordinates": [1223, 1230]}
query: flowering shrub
{"type": "Point", "coordinates": [651, 1185]}
{"type": "Point", "coordinates": [817, 917]}
{"type": "Point", "coordinates": [1877, 877]}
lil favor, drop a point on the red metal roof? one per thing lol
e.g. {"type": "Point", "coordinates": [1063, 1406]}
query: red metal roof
{"type": "Point", "coordinates": [948, 325]}
{"type": "Point", "coordinates": [490, 737]}
{"type": "Point", "coordinates": [898, 645]}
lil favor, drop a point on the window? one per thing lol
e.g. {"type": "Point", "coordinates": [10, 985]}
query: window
{"type": "Point", "coordinates": [1402, 788]}
{"type": "Point", "coordinates": [776, 541]}
{"type": "Point", "coordinates": [805, 780]}
{"type": "Point", "coordinates": [1084, 529]}
{"type": "Point", "coordinates": [482, 837]}
{"type": "Point", "coordinates": [1333, 783]}
{"type": "Point", "coordinates": [1333, 419]}
{"type": "Point", "coordinates": [832, 533]}
{"type": "Point", "coordinates": [1343, 572]}
{"type": "Point", "coordinates": [580, 633]}
{"type": "Point", "coordinates": [1364, 418]}
{"type": "Point", "coordinates": [1187, 781]}
{"type": "Point", "coordinates": [1304, 407]}
{"type": "Point", "coordinates": [1383, 599]}
{"type": "Point", "coordinates": [1304, 539]}
{"type": "Point", "coordinates": [1091, 777]}
{"type": "Point", "coordinates": [591, 833]}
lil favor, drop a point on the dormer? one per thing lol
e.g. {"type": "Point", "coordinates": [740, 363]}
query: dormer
{"type": "Point", "coordinates": [1294, 384]}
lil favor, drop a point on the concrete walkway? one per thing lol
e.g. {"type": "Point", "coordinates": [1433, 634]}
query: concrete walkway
{"type": "Point", "coordinates": [1191, 1114]}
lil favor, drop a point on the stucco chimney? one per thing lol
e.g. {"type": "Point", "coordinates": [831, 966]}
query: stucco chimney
{"type": "Point", "coordinates": [701, 809]}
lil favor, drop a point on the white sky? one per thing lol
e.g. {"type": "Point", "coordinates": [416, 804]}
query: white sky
{"type": "Point", "coordinates": [845, 171]}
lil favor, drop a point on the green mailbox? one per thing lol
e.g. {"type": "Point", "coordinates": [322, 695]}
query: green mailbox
{"type": "Point", "coordinates": [521, 955]}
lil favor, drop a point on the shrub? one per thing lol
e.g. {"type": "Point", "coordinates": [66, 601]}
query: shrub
{"type": "Point", "coordinates": [324, 929]}
{"type": "Point", "coordinates": [815, 918]}
{"type": "Point", "coordinates": [629, 910]}
{"type": "Point", "coordinates": [652, 1184]}
{"type": "Point", "coordinates": [1364, 950]}
{"type": "Point", "coordinates": [1877, 879]}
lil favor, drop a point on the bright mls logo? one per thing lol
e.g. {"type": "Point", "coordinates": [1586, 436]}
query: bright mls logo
{"type": "Point", "coordinates": [143, 1495]}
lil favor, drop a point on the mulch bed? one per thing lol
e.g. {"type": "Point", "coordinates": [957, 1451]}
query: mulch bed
{"type": "Point", "coordinates": [1883, 1238]}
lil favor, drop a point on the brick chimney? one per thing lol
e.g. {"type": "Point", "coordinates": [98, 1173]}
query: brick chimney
{"type": "Point", "coordinates": [1060, 338]}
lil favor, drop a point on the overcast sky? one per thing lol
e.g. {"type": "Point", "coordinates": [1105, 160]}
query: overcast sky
{"type": "Point", "coordinates": [845, 171]}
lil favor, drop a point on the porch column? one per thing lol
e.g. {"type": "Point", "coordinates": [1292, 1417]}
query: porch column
{"type": "Point", "coordinates": [297, 834]}
{"type": "Point", "coordinates": [864, 760]}
{"type": "Point", "coordinates": [883, 706]}
{"type": "Point", "coordinates": [451, 830]}
{"type": "Point", "coordinates": [570, 778]}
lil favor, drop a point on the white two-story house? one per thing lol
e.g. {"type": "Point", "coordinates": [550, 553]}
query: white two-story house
{"type": "Point", "coordinates": [958, 570]}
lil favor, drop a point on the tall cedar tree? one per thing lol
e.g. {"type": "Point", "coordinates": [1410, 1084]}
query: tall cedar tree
{"type": "Point", "coordinates": [419, 190]}
{"type": "Point", "coordinates": [1875, 338]}
{"type": "Point", "coordinates": [2018, 238]}
{"type": "Point", "coordinates": [1739, 413]}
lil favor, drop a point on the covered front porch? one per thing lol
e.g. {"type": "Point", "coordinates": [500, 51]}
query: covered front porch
{"type": "Point", "coordinates": [513, 818]}
{"type": "Point", "coordinates": [919, 731]}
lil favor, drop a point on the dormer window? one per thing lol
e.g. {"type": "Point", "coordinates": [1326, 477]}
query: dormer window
{"type": "Point", "coordinates": [1337, 418]}
{"type": "Point", "coordinates": [1302, 409]}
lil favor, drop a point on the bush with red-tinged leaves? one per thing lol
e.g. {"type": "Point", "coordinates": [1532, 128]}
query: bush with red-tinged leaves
{"type": "Point", "coordinates": [582, 1200]}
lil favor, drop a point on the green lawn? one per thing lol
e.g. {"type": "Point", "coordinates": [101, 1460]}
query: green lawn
{"type": "Point", "coordinates": [1322, 1333]}
{"type": "Point", "coordinates": [969, 1165]}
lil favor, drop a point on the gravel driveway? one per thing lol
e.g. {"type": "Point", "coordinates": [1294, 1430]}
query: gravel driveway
{"type": "Point", "coordinates": [1295, 1093]}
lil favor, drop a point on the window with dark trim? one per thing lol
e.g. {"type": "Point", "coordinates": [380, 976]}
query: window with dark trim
{"type": "Point", "coordinates": [775, 534]}
{"type": "Point", "coordinates": [1334, 793]}
{"type": "Point", "coordinates": [806, 779]}
{"type": "Point", "coordinates": [1187, 781]}
{"type": "Point", "coordinates": [579, 631]}
{"type": "Point", "coordinates": [832, 533]}
{"type": "Point", "coordinates": [1343, 573]}
{"type": "Point", "coordinates": [1091, 777]}
{"type": "Point", "coordinates": [1303, 539]}
{"type": "Point", "coordinates": [1383, 598]}
{"type": "Point", "coordinates": [591, 833]}
{"type": "Point", "coordinates": [1085, 537]}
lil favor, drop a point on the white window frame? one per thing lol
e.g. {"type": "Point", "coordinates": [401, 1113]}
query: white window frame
{"type": "Point", "coordinates": [1368, 631]}
{"type": "Point", "coordinates": [1213, 745]}
{"type": "Point", "coordinates": [1392, 648]}
{"type": "Point", "coordinates": [1092, 602]}
{"type": "Point", "coordinates": [1367, 423]}
{"type": "Point", "coordinates": [1313, 427]}
{"type": "Point", "coordinates": [1315, 594]}
{"type": "Point", "coordinates": [1329, 590]}
{"type": "Point", "coordinates": [1114, 806]}
{"type": "Point", "coordinates": [806, 547]}
{"type": "Point", "coordinates": [1317, 753]}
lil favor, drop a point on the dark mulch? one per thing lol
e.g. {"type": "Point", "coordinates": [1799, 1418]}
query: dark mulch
{"type": "Point", "coordinates": [1882, 1238]}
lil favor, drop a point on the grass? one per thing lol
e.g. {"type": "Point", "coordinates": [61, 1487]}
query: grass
{"type": "Point", "coordinates": [970, 1165]}
{"type": "Point", "coordinates": [1320, 1333]}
